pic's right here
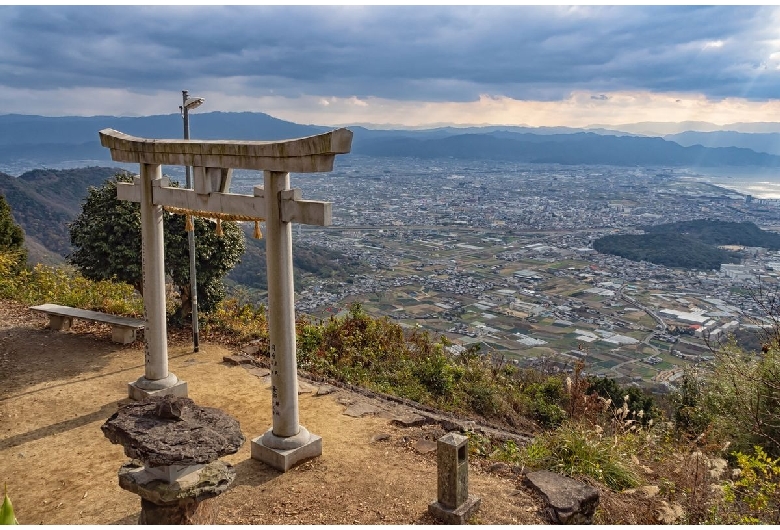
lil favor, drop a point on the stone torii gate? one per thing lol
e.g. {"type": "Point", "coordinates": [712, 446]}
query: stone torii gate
{"type": "Point", "coordinates": [286, 442]}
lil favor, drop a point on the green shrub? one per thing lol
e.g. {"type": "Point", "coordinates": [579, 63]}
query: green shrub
{"type": "Point", "coordinates": [754, 497]}
{"type": "Point", "coordinates": [65, 286]}
{"type": "Point", "coordinates": [236, 321]}
{"type": "Point", "coordinates": [574, 451]}
{"type": "Point", "coordinates": [689, 416]}
{"type": "Point", "coordinates": [637, 400]}
{"type": "Point", "coordinates": [545, 399]}
{"type": "Point", "coordinates": [742, 394]}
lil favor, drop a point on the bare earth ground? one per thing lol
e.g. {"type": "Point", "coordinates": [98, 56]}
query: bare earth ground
{"type": "Point", "coordinates": [58, 388]}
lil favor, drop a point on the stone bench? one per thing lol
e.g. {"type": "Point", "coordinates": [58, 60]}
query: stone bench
{"type": "Point", "coordinates": [60, 319]}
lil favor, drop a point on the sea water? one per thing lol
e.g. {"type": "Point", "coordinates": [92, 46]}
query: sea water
{"type": "Point", "coordinates": [761, 183]}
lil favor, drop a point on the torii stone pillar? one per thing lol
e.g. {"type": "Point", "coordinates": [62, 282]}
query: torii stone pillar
{"type": "Point", "coordinates": [286, 442]}
{"type": "Point", "coordinates": [157, 380]}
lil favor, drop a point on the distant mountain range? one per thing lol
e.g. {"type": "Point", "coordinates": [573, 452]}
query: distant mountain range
{"type": "Point", "coordinates": [663, 128]}
{"type": "Point", "coordinates": [760, 142]}
{"type": "Point", "coordinates": [34, 141]}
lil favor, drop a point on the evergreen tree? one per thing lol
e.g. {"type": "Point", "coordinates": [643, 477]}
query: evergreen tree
{"type": "Point", "coordinates": [106, 238]}
{"type": "Point", "coordinates": [11, 234]}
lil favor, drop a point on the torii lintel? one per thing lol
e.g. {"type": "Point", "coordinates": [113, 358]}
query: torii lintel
{"type": "Point", "coordinates": [312, 154]}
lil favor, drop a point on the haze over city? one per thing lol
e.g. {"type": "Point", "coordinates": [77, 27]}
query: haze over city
{"type": "Point", "coordinates": [401, 65]}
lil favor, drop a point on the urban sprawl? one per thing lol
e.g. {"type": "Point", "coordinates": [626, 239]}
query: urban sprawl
{"type": "Point", "coordinates": [500, 255]}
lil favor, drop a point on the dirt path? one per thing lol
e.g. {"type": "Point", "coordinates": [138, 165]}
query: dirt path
{"type": "Point", "coordinates": [58, 388]}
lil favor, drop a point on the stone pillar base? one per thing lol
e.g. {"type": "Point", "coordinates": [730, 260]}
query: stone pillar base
{"type": "Point", "coordinates": [200, 513]}
{"type": "Point", "coordinates": [137, 392]}
{"type": "Point", "coordinates": [283, 457]}
{"type": "Point", "coordinates": [459, 515]}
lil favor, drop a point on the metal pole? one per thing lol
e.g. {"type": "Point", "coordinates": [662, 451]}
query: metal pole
{"type": "Point", "coordinates": [191, 234]}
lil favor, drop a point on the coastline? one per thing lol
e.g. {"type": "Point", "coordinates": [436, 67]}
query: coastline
{"type": "Point", "coordinates": [761, 184]}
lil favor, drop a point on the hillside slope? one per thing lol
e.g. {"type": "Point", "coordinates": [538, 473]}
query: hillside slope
{"type": "Point", "coordinates": [44, 201]}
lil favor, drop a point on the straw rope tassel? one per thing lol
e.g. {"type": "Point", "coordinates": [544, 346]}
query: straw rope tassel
{"type": "Point", "coordinates": [188, 223]}
{"type": "Point", "coordinates": [258, 234]}
{"type": "Point", "coordinates": [219, 227]}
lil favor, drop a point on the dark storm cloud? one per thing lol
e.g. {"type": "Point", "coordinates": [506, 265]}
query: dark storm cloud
{"type": "Point", "coordinates": [453, 53]}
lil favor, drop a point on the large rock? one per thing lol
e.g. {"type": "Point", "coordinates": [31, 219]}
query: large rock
{"type": "Point", "coordinates": [567, 501]}
{"type": "Point", "coordinates": [169, 430]}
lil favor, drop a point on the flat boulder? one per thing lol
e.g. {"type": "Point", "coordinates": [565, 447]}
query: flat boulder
{"type": "Point", "coordinates": [168, 430]}
{"type": "Point", "coordinates": [359, 409]}
{"type": "Point", "coordinates": [567, 501]}
{"type": "Point", "coordinates": [236, 360]}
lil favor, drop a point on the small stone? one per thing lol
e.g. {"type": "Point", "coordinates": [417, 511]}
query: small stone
{"type": "Point", "coordinates": [410, 420]}
{"type": "Point", "coordinates": [359, 410]}
{"type": "Point", "coordinates": [305, 388]}
{"type": "Point", "coordinates": [381, 437]}
{"type": "Point", "coordinates": [457, 425]}
{"type": "Point", "coordinates": [236, 360]}
{"type": "Point", "coordinates": [250, 349]}
{"type": "Point", "coordinates": [424, 446]}
{"type": "Point", "coordinates": [324, 390]}
{"type": "Point", "coordinates": [256, 370]}
{"type": "Point", "coordinates": [169, 409]}
{"type": "Point", "coordinates": [499, 467]}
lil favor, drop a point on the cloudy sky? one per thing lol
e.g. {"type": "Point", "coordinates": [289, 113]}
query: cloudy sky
{"type": "Point", "coordinates": [398, 65]}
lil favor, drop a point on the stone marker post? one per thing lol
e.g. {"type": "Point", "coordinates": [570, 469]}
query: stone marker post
{"type": "Point", "coordinates": [454, 505]}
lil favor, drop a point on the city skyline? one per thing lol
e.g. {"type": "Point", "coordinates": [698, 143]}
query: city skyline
{"type": "Point", "coordinates": [401, 65]}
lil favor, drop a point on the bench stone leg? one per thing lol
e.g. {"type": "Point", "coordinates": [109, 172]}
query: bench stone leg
{"type": "Point", "coordinates": [122, 334]}
{"type": "Point", "coordinates": [60, 323]}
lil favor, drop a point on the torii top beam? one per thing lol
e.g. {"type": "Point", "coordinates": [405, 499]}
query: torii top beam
{"type": "Point", "coordinates": [311, 154]}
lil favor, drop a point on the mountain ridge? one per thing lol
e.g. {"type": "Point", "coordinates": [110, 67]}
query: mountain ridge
{"type": "Point", "coordinates": [32, 141]}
